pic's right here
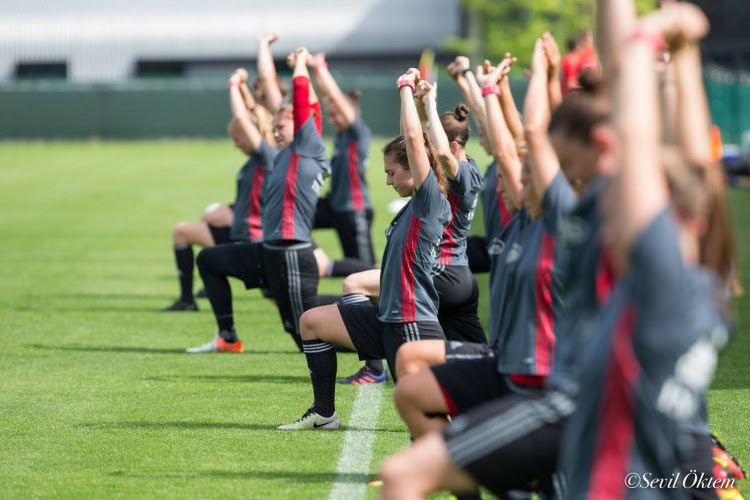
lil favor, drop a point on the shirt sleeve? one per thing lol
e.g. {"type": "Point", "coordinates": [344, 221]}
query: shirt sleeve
{"type": "Point", "coordinates": [558, 201]}
{"type": "Point", "coordinates": [428, 201]}
{"type": "Point", "coordinates": [265, 155]}
{"type": "Point", "coordinates": [468, 181]}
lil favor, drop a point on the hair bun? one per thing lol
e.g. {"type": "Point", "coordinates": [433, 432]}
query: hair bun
{"type": "Point", "coordinates": [354, 94]}
{"type": "Point", "coordinates": [591, 81]}
{"type": "Point", "coordinates": [461, 112]}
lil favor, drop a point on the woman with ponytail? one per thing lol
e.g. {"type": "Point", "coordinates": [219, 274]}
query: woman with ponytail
{"type": "Point", "coordinates": [408, 307]}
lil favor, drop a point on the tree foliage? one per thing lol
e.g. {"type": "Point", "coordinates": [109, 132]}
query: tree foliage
{"type": "Point", "coordinates": [500, 26]}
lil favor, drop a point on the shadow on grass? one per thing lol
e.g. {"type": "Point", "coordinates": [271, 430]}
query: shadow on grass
{"type": "Point", "coordinates": [101, 309]}
{"type": "Point", "coordinates": [221, 425]}
{"type": "Point", "coordinates": [107, 348]}
{"type": "Point", "coordinates": [269, 379]}
{"type": "Point", "coordinates": [180, 425]}
{"type": "Point", "coordinates": [295, 476]}
{"type": "Point", "coordinates": [140, 350]}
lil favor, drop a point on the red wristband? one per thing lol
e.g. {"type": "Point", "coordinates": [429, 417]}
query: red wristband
{"type": "Point", "coordinates": [654, 40]}
{"type": "Point", "coordinates": [406, 83]}
{"type": "Point", "coordinates": [491, 89]}
{"type": "Point", "coordinates": [231, 85]}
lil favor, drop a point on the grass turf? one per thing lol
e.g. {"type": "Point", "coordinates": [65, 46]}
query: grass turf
{"type": "Point", "coordinates": [97, 397]}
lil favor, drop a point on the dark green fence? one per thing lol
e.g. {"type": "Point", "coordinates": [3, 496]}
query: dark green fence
{"type": "Point", "coordinates": [187, 108]}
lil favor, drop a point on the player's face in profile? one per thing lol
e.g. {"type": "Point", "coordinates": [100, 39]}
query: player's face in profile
{"type": "Point", "coordinates": [399, 177]}
{"type": "Point", "coordinates": [283, 129]}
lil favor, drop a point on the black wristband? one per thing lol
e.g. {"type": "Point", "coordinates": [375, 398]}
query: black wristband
{"type": "Point", "coordinates": [467, 70]}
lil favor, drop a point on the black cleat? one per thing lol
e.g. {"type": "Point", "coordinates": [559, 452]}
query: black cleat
{"type": "Point", "coordinates": [181, 305]}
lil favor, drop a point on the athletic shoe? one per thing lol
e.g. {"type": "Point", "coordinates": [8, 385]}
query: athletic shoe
{"type": "Point", "coordinates": [218, 344]}
{"type": "Point", "coordinates": [202, 294]}
{"type": "Point", "coordinates": [364, 376]}
{"type": "Point", "coordinates": [181, 305]}
{"type": "Point", "coordinates": [311, 420]}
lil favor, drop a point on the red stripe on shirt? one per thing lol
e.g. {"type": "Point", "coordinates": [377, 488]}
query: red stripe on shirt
{"type": "Point", "coordinates": [449, 242]}
{"type": "Point", "coordinates": [253, 209]}
{"type": "Point", "coordinates": [300, 101]}
{"type": "Point", "coordinates": [317, 117]}
{"type": "Point", "coordinates": [545, 321]}
{"type": "Point", "coordinates": [615, 427]}
{"type": "Point", "coordinates": [290, 187]}
{"type": "Point", "coordinates": [605, 277]}
{"type": "Point", "coordinates": [505, 214]}
{"type": "Point", "coordinates": [353, 169]}
{"type": "Point", "coordinates": [408, 301]}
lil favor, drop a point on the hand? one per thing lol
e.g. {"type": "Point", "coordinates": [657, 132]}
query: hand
{"type": "Point", "coordinates": [552, 51]}
{"type": "Point", "coordinates": [457, 67]}
{"type": "Point", "coordinates": [411, 75]}
{"type": "Point", "coordinates": [427, 92]}
{"type": "Point", "coordinates": [239, 76]}
{"type": "Point", "coordinates": [539, 62]}
{"type": "Point", "coordinates": [304, 54]}
{"type": "Point", "coordinates": [318, 60]}
{"type": "Point", "coordinates": [291, 59]}
{"type": "Point", "coordinates": [680, 23]}
{"type": "Point", "coordinates": [267, 38]}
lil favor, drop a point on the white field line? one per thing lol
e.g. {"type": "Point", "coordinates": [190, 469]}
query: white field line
{"type": "Point", "coordinates": [357, 451]}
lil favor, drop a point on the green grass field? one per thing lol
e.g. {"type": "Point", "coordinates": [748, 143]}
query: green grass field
{"type": "Point", "coordinates": [98, 399]}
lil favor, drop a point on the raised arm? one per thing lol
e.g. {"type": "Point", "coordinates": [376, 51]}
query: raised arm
{"type": "Point", "coordinates": [239, 108]}
{"type": "Point", "coordinates": [552, 51]}
{"type": "Point", "coordinates": [615, 20]}
{"type": "Point", "coordinates": [330, 89]}
{"type": "Point", "coordinates": [267, 71]}
{"type": "Point", "coordinates": [544, 161]}
{"type": "Point", "coordinates": [692, 105]}
{"type": "Point", "coordinates": [428, 94]}
{"type": "Point", "coordinates": [460, 71]}
{"type": "Point", "coordinates": [508, 105]}
{"type": "Point", "coordinates": [411, 127]}
{"type": "Point", "coordinates": [502, 143]}
{"type": "Point", "coordinates": [304, 100]}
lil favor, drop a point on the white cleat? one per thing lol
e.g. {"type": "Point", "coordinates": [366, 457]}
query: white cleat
{"type": "Point", "coordinates": [207, 347]}
{"type": "Point", "coordinates": [311, 420]}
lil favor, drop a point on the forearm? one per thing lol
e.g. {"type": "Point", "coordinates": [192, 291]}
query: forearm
{"type": "Point", "coordinates": [693, 115]}
{"type": "Point", "coordinates": [247, 96]}
{"type": "Point", "coordinates": [510, 112]}
{"type": "Point", "coordinates": [615, 19]}
{"type": "Point", "coordinates": [473, 95]}
{"type": "Point", "coordinates": [504, 149]}
{"type": "Point", "coordinates": [536, 112]}
{"type": "Point", "coordinates": [440, 141]}
{"type": "Point", "coordinates": [267, 75]}
{"type": "Point", "coordinates": [330, 89]}
{"type": "Point", "coordinates": [412, 130]}
{"type": "Point", "coordinates": [300, 94]}
{"type": "Point", "coordinates": [554, 90]}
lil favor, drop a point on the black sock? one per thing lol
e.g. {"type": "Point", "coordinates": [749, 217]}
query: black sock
{"type": "Point", "coordinates": [183, 256]}
{"type": "Point", "coordinates": [375, 365]}
{"type": "Point", "coordinates": [218, 290]}
{"type": "Point", "coordinates": [229, 335]}
{"type": "Point", "coordinates": [321, 360]}
{"type": "Point", "coordinates": [349, 266]}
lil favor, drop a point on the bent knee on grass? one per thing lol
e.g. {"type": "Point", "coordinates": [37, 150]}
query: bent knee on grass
{"type": "Point", "coordinates": [192, 233]}
{"type": "Point", "coordinates": [415, 356]}
{"type": "Point", "coordinates": [325, 323]}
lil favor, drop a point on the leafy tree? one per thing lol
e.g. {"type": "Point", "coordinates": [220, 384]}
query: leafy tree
{"type": "Point", "coordinates": [499, 26]}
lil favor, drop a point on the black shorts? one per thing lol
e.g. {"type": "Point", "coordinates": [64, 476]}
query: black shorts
{"type": "Point", "coordinates": [290, 272]}
{"type": "Point", "coordinates": [353, 229]}
{"type": "Point", "coordinates": [242, 260]}
{"type": "Point", "coordinates": [476, 251]}
{"type": "Point", "coordinates": [375, 339]}
{"type": "Point", "coordinates": [467, 383]}
{"type": "Point", "coordinates": [458, 292]}
{"type": "Point", "coordinates": [511, 443]}
{"type": "Point", "coordinates": [456, 351]}
{"type": "Point", "coordinates": [220, 234]}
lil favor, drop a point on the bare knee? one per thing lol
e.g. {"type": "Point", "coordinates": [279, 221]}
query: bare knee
{"type": "Point", "coordinates": [352, 284]}
{"type": "Point", "coordinates": [308, 325]}
{"type": "Point", "coordinates": [181, 233]}
{"type": "Point", "coordinates": [409, 359]}
{"type": "Point", "coordinates": [404, 392]}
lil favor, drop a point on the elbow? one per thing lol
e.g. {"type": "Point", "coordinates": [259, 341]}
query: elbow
{"type": "Point", "coordinates": [533, 131]}
{"type": "Point", "coordinates": [413, 135]}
